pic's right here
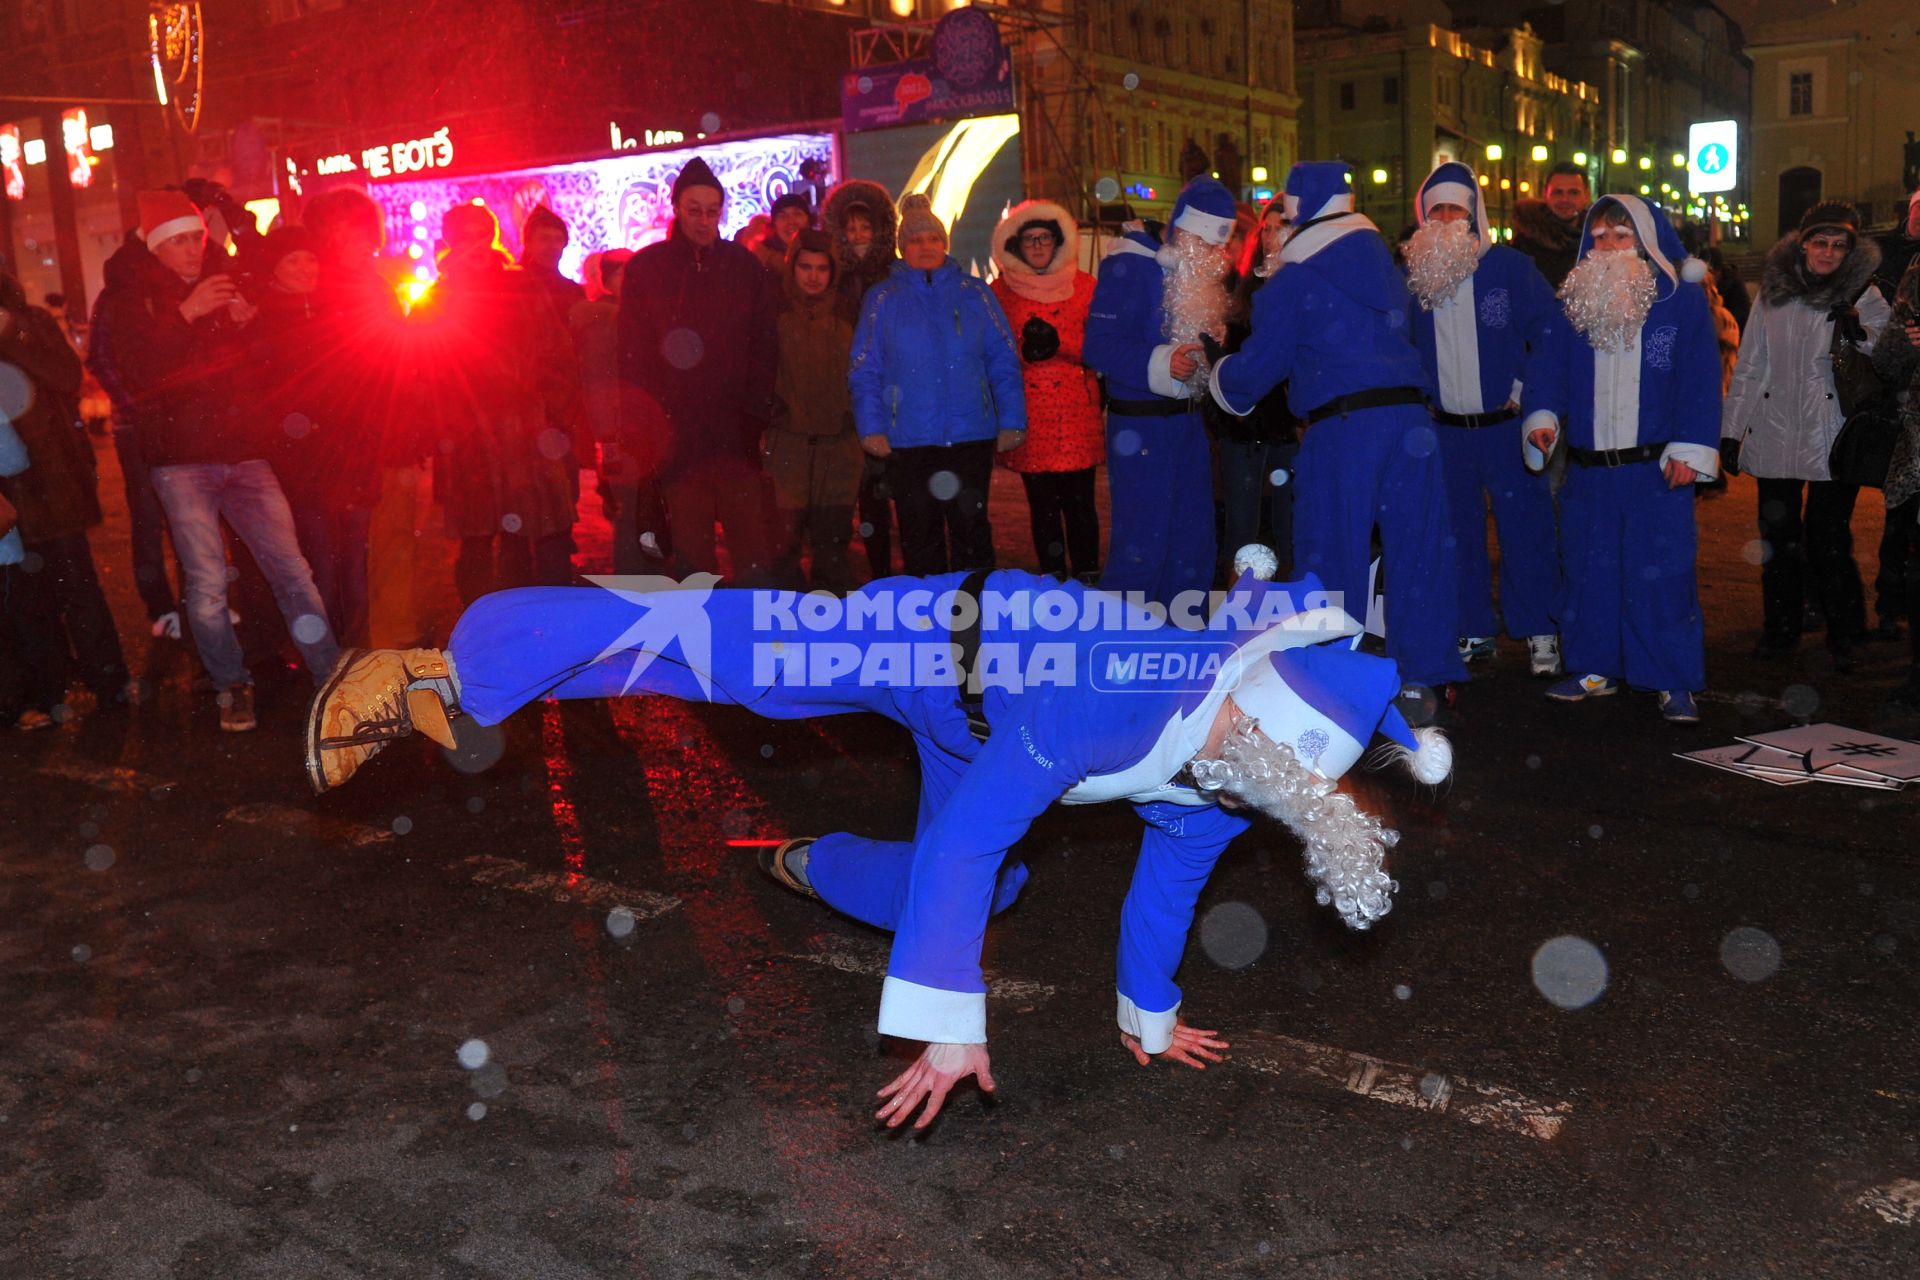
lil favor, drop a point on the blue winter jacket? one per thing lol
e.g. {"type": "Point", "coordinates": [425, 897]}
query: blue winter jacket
{"type": "Point", "coordinates": [934, 361]}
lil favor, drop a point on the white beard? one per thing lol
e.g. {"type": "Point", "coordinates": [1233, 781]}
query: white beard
{"type": "Point", "coordinates": [1439, 257]}
{"type": "Point", "coordinates": [1196, 298]}
{"type": "Point", "coordinates": [1608, 296]}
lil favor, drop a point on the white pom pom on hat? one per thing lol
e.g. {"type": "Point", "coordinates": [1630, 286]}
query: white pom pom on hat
{"type": "Point", "coordinates": [1257, 559]}
{"type": "Point", "coordinates": [1693, 270]}
{"type": "Point", "coordinates": [1166, 257]}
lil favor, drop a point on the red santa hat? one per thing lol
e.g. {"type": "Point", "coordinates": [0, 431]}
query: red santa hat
{"type": "Point", "coordinates": [165, 214]}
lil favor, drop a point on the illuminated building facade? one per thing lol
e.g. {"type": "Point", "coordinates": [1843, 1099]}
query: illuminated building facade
{"type": "Point", "coordinates": [1394, 101]}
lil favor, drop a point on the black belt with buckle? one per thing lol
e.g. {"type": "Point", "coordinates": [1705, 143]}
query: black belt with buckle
{"type": "Point", "coordinates": [1615, 457]}
{"type": "Point", "coordinates": [966, 655]}
{"type": "Point", "coordinates": [1474, 421]}
{"type": "Point", "coordinates": [1379, 398]}
{"type": "Point", "coordinates": [1150, 408]}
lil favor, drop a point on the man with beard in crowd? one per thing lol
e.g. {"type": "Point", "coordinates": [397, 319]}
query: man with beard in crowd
{"type": "Point", "coordinates": [1480, 305]}
{"type": "Point", "coordinates": [1334, 321]}
{"type": "Point", "coordinates": [1548, 230]}
{"type": "Point", "coordinates": [1631, 374]}
{"type": "Point", "coordinates": [1150, 307]}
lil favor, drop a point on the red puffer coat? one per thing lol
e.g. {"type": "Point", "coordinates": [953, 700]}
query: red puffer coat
{"type": "Point", "coordinates": [1065, 429]}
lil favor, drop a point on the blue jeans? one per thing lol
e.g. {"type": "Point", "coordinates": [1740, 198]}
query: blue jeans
{"type": "Point", "coordinates": [196, 496]}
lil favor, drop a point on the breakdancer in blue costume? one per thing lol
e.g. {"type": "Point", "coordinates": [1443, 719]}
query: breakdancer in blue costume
{"type": "Point", "coordinates": [1480, 305]}
{"type": "Point", "coordinates": [1151, 304]}
{"type": "Point", "coordinates": [1019, 692]}
{"type": "Point", "coordinates": [1631, 374]}
{"type": "Point", "coordinates": [1333, 320]}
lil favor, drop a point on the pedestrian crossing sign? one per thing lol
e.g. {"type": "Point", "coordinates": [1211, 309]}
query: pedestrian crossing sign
{"type": "Point", "coordinates": [1713, 156]}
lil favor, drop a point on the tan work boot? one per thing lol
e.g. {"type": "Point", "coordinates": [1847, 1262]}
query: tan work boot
{"type": "Point", "coordinates": [373, 697]}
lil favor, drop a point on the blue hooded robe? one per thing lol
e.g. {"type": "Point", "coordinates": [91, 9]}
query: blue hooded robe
{"type": "Point", "coordinates": [1067, 724]}
{"type": "Point", "coordinates": [1473, 346]}
{"type": "Point", "coordinates": [1333, 321]}
{"type": "Point", "coordinates": [1632, 611]}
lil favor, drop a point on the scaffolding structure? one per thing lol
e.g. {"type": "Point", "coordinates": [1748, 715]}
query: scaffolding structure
{"type": "Point", "coordinates": [1055, 93]}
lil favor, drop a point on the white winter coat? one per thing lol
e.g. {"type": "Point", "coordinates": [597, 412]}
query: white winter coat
{"type": "Point", "coordinates": [1781, 403]}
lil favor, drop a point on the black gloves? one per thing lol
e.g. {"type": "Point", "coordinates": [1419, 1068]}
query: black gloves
{"type": "Point", "coordinates": [1211, 345]}
{"type": "Point", "coordinates": [1038, 340]}
{"type": "Point", "coordinates": [1729, 456]}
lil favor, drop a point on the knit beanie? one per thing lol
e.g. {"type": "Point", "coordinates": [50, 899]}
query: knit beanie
{"type": "Point", "coordinates": [917, 218]}
{"type": "Point", "coordinates": [792, 200]}
{"type": "Point", "coordinates": [1831, 215]}
{"type": "Point", "coordinates": [282, 241]}
{"type": "Point", "coordinates": [543, 219]}
{"type": "Point", "coordinates": [696, 174]}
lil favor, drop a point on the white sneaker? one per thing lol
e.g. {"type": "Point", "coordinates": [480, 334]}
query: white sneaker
{"type": "Point", "coordinates": [1543, 655]}
{"type": "Point", "coordinates": [167, 625]}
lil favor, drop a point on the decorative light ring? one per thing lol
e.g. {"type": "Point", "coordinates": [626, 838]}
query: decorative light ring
{"type": "Point", "coordinates": [176, 45]}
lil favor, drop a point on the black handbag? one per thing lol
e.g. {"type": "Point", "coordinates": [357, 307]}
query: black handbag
{"type": "Point", "coordinates": [1864, 447]}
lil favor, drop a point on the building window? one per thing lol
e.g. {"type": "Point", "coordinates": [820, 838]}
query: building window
{"type": "Point", "coordinates": [1390, 91]}
{"type": "Point", "coordinates": [1346, 95]}
{"type": "Point", "coordinates": [1800, 93]}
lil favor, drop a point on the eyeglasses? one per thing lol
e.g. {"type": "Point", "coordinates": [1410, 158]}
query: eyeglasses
{"type": "Point", "coordinates": [1032, 238]}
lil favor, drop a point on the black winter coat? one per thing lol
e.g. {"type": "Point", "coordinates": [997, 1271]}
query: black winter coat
{"type": "Point", "coordinates": [181, 376]}
{"type": "Point", "coordinates": [698, 352]}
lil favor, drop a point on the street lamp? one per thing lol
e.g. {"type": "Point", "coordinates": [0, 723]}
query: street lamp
{"type": "Point", "coordinates": [1619, 155]}
{"type": "Point", "coordinates": [1379, 177]}
{"type": "Point", "coordinates": [1580, 158]}
{"type": "Point", "coordinates": [1646, 162]}
{"type": "Point", "coordinates": [1540, 153]}
{"type": "Point", "coordinates": [1495, 152]}
{"type": "Point", "coordinates": [1679, 160]}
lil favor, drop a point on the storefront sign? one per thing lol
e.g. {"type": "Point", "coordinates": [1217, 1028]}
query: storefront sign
{"type": "Point", "coordinates": [393, 159]}
{"type": "Point", "coordinates": [647, 138]}
{"type": "Point", "coordinates": [969, 74]}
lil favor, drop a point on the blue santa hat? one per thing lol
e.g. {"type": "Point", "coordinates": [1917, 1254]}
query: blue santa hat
{"type": "Point", "coordinates": [1454, 183]}
{"type": "Point", "coordinates": [1301, 678]}
{"type": "Point", "coordinates": [1206, 208]}
{"type": "Point", "coordinates": [1317, 189]}
{"type": "Point", "coordinates": [1658, 240]}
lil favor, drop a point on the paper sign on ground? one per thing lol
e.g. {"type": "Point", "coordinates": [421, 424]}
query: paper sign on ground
{"type": "Point", "coordinates": [1824, 746]}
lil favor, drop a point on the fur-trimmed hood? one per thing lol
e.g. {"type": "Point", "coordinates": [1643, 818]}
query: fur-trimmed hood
{"type": "Point", "coordinates": [1535, 220]}
{"type": "Point", "coordinates": [886, 224]}
{"type": "Point", "coordinates": [1785, 278]}
{"type": "Point", "coordinates": [1055, 284]}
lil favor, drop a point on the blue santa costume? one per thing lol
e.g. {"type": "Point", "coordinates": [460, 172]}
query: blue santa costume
{"type": "Point", "coordinates": [1159, 468]}
{"type": "Point", "coordinates": [1333, 320]}
{"type": "Point", "coordinates": [1076, 737]}
{"type": "Point", "coordinates": [1473, 345]}
{"type": "Point", "coordinates": [1632, 612]}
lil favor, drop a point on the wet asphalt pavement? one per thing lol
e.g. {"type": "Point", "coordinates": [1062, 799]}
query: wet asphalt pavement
{"type": "Point", "coordinates": [544, 1020]}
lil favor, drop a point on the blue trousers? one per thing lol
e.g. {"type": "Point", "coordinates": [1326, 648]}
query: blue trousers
{"type": "Point", "coordinates": [1161, 478]}
{"type": "Point", "coordinates": [1632, 611]}
{"type": "Point", "coordinates": [1380, 468]}
{"type": "Point", "coordinates": [1482, 461]}
{"type": "Point", "coordinates": [513, 647]}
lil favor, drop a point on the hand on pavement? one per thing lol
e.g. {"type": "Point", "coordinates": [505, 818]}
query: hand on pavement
{"type": "Point", "coordinates": [1189, 1046]}
{"type": "Point", "coordinates": [931, 1077]}
{"type": "Point", "coordinates": [1186, 358]}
